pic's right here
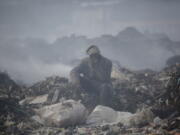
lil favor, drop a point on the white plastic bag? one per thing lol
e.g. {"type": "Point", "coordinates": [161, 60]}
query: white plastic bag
{"type": "Point", "coordinates": [67, 113]}
{"type": "Point", "coordinates": [106, 115]}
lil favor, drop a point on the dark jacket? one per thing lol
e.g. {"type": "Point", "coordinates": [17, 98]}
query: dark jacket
{"type": "Point", "coordinates": [99, 72]}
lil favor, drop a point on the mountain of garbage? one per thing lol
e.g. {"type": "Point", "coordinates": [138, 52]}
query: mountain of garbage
{"type": "Point", "coordinates": [143, 102]}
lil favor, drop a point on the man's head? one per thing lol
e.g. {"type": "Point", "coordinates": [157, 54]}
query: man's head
{"type": "Point", "coordinates": [94, 53]}
{"type": "Point", "coordinates": [93, 50]}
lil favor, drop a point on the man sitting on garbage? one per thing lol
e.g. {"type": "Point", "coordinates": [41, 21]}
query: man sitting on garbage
{"type": "Point", "coordinates": [93, 75]}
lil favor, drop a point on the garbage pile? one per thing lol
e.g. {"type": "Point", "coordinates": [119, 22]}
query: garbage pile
{"type": "Point", "coordinates": [46, 86]}
{"type": "Point", "coordinates": [14, 118]}
{"type": "Point", "coordinates": [59, 89]}
{"type": "Point", "coordinates": [168, 104]}
{"type": "Point", "coordinates": [173, 90]}
{"type": "Point", "coordinates": [144, 102]}
{"type": "Point", "coordinates": [136, 89]}
{"type": "Point", "coordinates": [8, 88]}
{"type": "Point", "coordinates": [145, 85]}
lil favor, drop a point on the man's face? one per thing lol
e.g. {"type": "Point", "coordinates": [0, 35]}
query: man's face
{"type": "Point", "coordinates": [95, 57]}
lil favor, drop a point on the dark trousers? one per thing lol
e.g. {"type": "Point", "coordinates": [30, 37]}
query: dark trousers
{"type": "Point", "coordinates": [103, 90]}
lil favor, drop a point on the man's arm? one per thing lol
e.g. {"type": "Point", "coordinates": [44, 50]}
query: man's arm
{"type": "Point", "coordinates": [108, 69]}
{"type": "Point", "coordinates": [76, 72]}
{"type": "Point", "coordinates": [75, 76]}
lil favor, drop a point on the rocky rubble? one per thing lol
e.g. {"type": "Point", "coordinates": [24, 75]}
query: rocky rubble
{"type": "Point", "coordinates": [14, 118]}
{"type": "Point", "coordinates": [145, 85]}
{"type": "Point", "coordinates": [46, 86]}
{"type": "Point", "coordinates": [151, 100]}
{"type": "Point", "coordinates": [8, 88]}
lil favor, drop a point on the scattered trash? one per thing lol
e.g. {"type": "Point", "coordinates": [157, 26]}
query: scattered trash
{"type": "Point", "coordinates": [143, 102]}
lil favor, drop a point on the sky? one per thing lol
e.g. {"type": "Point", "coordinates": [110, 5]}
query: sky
{"type": "Point", "coordinates": [29, 27]}
{"type": "Point", "coordinates": [50, 19]}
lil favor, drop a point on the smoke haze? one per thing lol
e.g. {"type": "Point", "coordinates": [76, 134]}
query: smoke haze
{"type": "Point", "coordinates": [39, 38]}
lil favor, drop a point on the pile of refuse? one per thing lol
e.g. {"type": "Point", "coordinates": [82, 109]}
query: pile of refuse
{"type": "Point", "coordinates": [14, 118]}
{"type": "Point", "coordinates": [143, 102]}
{"type": "Point", "coordinates": [145, 85]}
{"type": "Point", "coordinates": [57, 89]}
{"type": "Point", "coordinates": [8, 88]}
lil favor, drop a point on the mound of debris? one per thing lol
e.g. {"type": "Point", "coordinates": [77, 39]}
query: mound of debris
{"type": "Point", "coordinates": [169, 101]}
{"type": "Point", "coordinates": [14, 119]}
{"type": "Point", "coordinates": [158, 116]}
{"type": "Point", "coordinates": [55, 89]}
{"type": "Point", "coordinates": [8, 88]}
{"type": "Point", "coordinates": [143, 102]}
{"type": "Point", "coordinates": [145, 85]}
{"type": "Point", "coordinates": [135, 89]}
{"type": "Point", "coordinates": [46, 86]}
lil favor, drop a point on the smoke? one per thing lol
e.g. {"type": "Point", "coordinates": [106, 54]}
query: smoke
{"type": "Point", "coordinates": [32, 59]}
{"type": "Point", "coordinates": [32, 71]}
{"type": "Point", "coordinates": [37, 40]}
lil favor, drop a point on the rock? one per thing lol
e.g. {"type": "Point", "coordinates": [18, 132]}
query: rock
{"type": "Point", "coordinates": [63, 114]}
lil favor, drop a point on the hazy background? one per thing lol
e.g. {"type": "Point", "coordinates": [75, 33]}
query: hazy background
{"type": "Point", "coordinates": [39, 38]}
